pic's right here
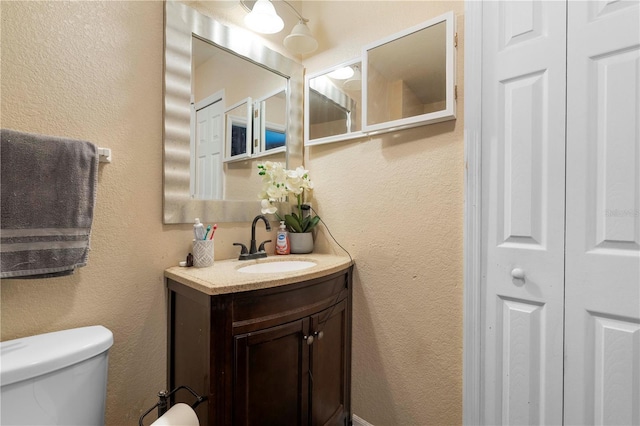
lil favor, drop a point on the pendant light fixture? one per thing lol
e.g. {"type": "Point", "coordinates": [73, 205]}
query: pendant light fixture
{"type": "Point", "coordinates": [264, 19]}
{"type": "Point", "coordinates": [300, 41]}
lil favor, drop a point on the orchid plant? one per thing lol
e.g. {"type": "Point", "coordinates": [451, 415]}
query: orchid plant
{"type": "Point", "coordinates": [278, 183]}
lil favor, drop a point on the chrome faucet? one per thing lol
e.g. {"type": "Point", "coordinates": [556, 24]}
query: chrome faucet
{"type": "Point", "coordinates": [254, 253]}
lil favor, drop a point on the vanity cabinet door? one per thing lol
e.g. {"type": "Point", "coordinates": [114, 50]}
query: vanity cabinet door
{"type": "Point", "coordinates": [328, 360]}
{"type": "Point", "coordinates": [271, 376]}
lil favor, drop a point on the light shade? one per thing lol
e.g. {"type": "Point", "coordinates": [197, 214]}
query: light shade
{"type": "Point", "coordinates": [263, 18]}
{"type": "Point", "coordinates": [341, 73]}
{"type": "Point", "coordinates": [355, 82]}
{"type": "Point", "coordinates": [300, 41]}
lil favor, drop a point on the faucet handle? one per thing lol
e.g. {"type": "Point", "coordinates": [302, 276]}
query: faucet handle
{"type": "Point", "coordinates": [244, 248]}
{"type": "Point", "coordinates": [261, 248]}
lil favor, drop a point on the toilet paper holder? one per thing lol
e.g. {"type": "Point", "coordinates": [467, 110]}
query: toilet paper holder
{"type": "Point", "coordinates": [163, 402]}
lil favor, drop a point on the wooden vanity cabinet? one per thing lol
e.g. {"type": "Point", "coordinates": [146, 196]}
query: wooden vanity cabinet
{"type": "Point", "coordinates": [276, 356]}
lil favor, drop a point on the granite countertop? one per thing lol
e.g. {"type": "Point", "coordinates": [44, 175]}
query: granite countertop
{"type": "Point", "coordinates": [223, 277]}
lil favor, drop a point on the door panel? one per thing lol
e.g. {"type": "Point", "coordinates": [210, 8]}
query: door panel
{"type": "Point", "coordinates": [328, 366]}
{"type": "Point", "coordinates": [268, 362]}
{"type": "Point", "coordinates": [602, 343]}
{"type": "Point", "coordinates": [209, 147]}
{"type": "Point", "coordinates": [520, 21]}
{"type": "Point", "coordinates": [520, 331]}
{"type": "Point", "coordinates": [523, 132]}
{"type": "Point", "coordinates": [521, 190]}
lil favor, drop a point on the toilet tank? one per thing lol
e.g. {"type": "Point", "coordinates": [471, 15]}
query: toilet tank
{"type": "Point", "coordinates": [57, 378]}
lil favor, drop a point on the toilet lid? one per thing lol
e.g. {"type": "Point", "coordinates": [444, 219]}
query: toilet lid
{"type": "Point", "coordinates": [32, 356]}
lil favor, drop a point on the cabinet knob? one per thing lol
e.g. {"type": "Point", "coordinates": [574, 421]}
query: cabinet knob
{"type": "Point", "coordinates": [319, 334]}
{"type": "Point", "coordinates": [309, 340]}
{"type": "Point", "coordinates": [518, 274]}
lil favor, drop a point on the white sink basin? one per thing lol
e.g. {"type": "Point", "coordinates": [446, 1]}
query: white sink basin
{"type": "Point", "coordinates": [277, 266]}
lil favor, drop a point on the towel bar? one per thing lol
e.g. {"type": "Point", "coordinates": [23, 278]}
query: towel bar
{"type": "Point", "coordinates": [105, 155]}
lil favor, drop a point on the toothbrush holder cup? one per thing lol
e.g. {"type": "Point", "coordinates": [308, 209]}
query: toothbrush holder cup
{"type": "Point", "coordinates": [202, 253]}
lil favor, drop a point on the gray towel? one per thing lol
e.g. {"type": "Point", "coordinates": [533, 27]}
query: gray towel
{"type": "Point", "coordinates": [48, 187]}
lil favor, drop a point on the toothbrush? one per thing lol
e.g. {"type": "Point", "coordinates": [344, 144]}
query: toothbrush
{"type": "Point", "coordinates": [207, 233]}
{"type": "Point", "coordinates": [215, 226]}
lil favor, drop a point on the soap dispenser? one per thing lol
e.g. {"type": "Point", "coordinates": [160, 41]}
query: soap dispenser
{"type": "Point", "coordinates": [282, 240]}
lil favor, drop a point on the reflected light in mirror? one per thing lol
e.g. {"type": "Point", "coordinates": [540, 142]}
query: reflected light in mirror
{"type": "Point", "coordinates": [355, 81]}
{"type": "Point", "coordinates": [341, 73]}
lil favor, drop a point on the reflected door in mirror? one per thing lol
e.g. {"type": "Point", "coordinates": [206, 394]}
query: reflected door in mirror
{"type": "Point", "coordinates": [208, 151]}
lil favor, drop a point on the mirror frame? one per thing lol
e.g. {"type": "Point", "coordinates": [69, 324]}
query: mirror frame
{"type": "Point", "coordinates": [307, 110]}
{"type": "Point", "coordinates": [449, 112]}
{"type": "Point", "coordinates": [180, 23]}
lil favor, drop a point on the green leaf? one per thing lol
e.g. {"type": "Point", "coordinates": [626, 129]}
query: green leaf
{"type": "Point", "coordinates": [309, 223]}
{"type": "Point", "coordinates": [292, 223]}
{"type": "Point", "coordinates": [314, 222]}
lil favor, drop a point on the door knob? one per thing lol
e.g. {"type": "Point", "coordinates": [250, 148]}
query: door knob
{"type": "Point", "coordinates": [518, 273]}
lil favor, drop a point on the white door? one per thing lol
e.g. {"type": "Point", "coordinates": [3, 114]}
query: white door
{"type": "Point", "coordinates": [209, 146]}
{"type": "Point", "coordinates": [523, 171]}
{"type": "Point", "coordinates": [602, 337]}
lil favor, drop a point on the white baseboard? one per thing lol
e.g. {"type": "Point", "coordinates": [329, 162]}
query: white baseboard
{"type": "Point", "coordinates": [357, 421]}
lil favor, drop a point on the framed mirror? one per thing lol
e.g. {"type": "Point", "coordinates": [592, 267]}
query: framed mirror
{"type": "Point", "coordinates": [409, 77]}
{"type": "Point", "coordinates": [334, 104]}
{"type": "Point", "coordinates": [236, 200]}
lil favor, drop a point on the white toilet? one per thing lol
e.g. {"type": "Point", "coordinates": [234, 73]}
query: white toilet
{"type": "Point", "coordinates": [57, 378]}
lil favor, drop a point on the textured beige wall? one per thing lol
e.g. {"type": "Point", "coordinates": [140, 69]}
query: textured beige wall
{"type": "Point", "coordinates": [395, 202]}
{"type": "Point", "coordinates": [93, 70]}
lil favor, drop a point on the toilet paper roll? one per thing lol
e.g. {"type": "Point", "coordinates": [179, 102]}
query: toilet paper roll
{"type": "Point", "coordinates": [178, 415]}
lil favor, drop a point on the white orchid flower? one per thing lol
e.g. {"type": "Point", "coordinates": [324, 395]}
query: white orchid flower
{"type": "Point", "coordinates": [294, 184]}
{"type": "Point", "coordinates": [279, 183]}
{"type": "Point", "coordinates": [276, 192]}
{"type": "Point", "coordinates": [299, 172]}
{"type": "Point", "coordinates": [267, 207]}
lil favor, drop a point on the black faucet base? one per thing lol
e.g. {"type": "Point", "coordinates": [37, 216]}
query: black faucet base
{"type": "Point", "coordinates": [253, 252]}
{"type": "Point", "coordinates": [256, 255]}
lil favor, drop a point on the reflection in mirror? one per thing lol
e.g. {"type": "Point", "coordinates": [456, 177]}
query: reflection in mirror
{"type": "Point", "coordinates": [409, 77]}
{"type": "Point", "coordinates": [186, 30]}
{"type": "Point", "coordinates": [334, 105]}
{"type": "Point", "coordinates": [219, 79]}
{"type": "Point", "coordinates": [272, 125]}
{"type": "Point", "coordinates": [206, 147]}
{"type": "Point", "coordinates": [238, 130]}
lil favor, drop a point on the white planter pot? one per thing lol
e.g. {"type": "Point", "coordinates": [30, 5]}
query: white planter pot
{"type": "Point", "coordinates": [301, 242]}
